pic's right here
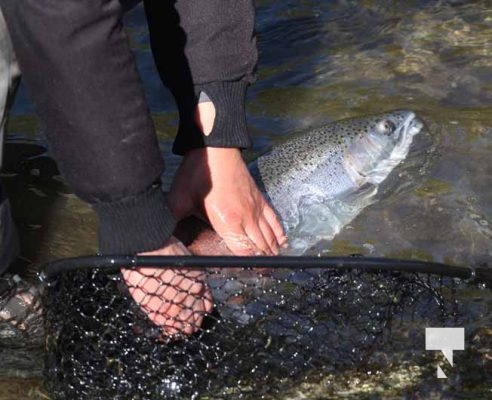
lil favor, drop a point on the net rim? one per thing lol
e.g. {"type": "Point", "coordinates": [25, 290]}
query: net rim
{"type": "Point", "coordinates": [480, 274]}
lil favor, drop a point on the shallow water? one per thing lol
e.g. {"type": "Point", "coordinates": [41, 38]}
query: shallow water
{"type": "Point", "coordinates": [322, 61]}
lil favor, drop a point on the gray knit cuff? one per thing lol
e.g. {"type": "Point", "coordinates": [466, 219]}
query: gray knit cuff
{"type": "Point", "coordinates": [135, 224]}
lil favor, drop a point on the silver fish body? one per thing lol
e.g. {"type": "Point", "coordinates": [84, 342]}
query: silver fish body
{"type": "Point", "coordinates": [318, 182]}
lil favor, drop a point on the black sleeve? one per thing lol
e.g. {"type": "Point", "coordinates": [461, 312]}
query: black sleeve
{"type": "Point", "coordinates": [212, 46]}
{"type": "Point", "coordinates": [81, 75]}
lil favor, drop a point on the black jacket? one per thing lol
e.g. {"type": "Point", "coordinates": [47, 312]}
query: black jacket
{"type": "Point", "coordinates": [81, 75]}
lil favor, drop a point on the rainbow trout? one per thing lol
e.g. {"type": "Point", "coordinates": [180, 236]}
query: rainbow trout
{"type": "Point", "coordinates": [320, 181]}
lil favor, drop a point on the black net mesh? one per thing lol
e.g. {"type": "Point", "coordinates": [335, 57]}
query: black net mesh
{"type": "Point", "coordinates": [270, 333]}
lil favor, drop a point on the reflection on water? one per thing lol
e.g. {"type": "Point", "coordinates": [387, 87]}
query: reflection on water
{"type": "Point", "coordinates": [322, 61]}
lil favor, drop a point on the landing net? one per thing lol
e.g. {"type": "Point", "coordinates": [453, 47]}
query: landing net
{"type": "Point", "coordinates": [273, 332]}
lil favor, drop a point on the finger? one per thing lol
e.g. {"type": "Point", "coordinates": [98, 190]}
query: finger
{"type": "Point", "coordinates": [274, 222]}
{"type": "Point", "coordinates": [186, 282]}
{"type": "Point", "coordinates": [141, 286]}
{"type": "Point", "coordinates": [239, 244]}
{"type": "Point", "coordinates": [139, 296]}
{"type": "Point", "coordinates": [208, 300]}
{"type": "Point", "coordinates": [201, 306]}
{"type": "Point", "coordinates": [256, 235]}
{"type": "Point", "coordinates": [172, 318]}
{"type": "Point", "coordinates": [183, 302]}
{"type": "Point", "coordinates": [175, 300]}
{"type": "Point", "coordinates": [204, 307]}
{"type": "Point", "coordinates": [137, 287]}
{"type": "Point", "coordinates": [269, 236]}
{"type": "Point", "coordinates": [172, 326]}
{"type": "Point", "coordinates": [132, 277]}
{"type": "Point", "coordinates": [185, 317]}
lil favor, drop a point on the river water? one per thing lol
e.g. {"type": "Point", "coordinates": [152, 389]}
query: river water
{"type": "Point", "coordinates": [322, 61]}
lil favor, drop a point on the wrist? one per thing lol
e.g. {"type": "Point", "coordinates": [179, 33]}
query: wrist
{"type": "Point", "coordinates": [214, 156]}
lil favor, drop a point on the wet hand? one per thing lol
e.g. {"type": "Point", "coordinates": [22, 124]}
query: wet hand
{"type": "Point", "coordinates": [174, 299]}
{"type": "Point", "coordinates": [215, 183]}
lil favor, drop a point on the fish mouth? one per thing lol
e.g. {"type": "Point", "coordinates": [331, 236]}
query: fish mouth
{"type": "Point", "coordinates": [410, 127]}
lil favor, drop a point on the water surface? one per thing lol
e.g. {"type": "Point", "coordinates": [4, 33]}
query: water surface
{"type": "Point", "coordinates": [322, 61]}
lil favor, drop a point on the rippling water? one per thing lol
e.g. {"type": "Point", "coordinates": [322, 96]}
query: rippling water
{"type": "Point", "coordinates": [322, 61]}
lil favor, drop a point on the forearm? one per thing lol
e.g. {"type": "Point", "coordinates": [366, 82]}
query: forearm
{"type": "Point", "coordinates": [206, 47]}
{"type": "Point", "coordinates": [81, 75]}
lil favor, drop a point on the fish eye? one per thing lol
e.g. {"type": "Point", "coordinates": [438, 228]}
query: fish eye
{"type": "Point", "coordinates": [385, 127]}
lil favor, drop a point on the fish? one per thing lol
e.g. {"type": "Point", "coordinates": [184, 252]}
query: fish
{"type": "Point", "coordinates": [319, 181]}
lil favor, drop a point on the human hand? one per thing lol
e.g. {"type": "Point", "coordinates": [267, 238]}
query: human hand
{"type": "Point", "coordinates": [174, 299]}
{"type": "Point", "coordinates": [215, 183]}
